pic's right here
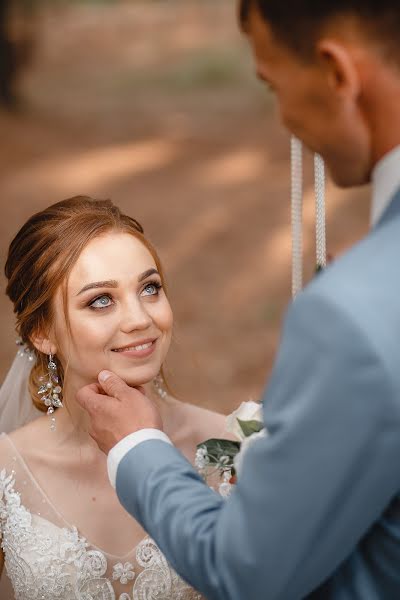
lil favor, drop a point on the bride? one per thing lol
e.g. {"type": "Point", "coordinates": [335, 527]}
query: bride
{"type": "Point", "coordinates": [89, 294]}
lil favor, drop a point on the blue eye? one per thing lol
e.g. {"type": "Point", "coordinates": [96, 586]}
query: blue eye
{"type": "Point", "coordinates": [101, 302]}
{"type": "Point", "coordinates": [151, 289]}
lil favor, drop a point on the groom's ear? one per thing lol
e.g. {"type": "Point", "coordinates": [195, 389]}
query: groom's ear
{"type": "Point", "coordinates": [339, 64]}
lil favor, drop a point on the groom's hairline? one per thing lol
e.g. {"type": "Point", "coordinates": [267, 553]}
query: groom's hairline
{"type": "Point", "coordinates": [300, 33]}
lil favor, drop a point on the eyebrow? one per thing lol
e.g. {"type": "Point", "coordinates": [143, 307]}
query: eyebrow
{"type": "Point", "coordinates": [147, 274]}
{"type": "Point", "coordinates": [98, 284]}
{"type": "Point", "coordinates": [112, 283]}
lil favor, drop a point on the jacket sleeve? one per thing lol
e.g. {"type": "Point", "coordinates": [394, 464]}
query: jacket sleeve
{"type": "Point", "coordinates": [308, 492]}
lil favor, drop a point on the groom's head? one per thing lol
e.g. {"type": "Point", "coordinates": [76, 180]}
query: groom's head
{"type": "Point", "coordinates": [334, 66]}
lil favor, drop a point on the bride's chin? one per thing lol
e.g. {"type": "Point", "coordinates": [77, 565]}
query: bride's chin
{"type": "Point", "coordinates": [136, 382]}
{"type": "Point", "coordinates": [136, 379]}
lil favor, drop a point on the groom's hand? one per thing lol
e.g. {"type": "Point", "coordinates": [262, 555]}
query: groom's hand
{"type": "Point", "coordinates": [116, 410]}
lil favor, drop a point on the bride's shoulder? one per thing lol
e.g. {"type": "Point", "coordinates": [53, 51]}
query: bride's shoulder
{"type": "Point", "coordinates": [25, 437]}
{"type": "Point", "coordinates": [202, 423]}
{"type": "Point", "coordinates": [23, 449]}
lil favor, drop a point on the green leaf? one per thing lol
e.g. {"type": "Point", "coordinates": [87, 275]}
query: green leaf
{"type": "Point", "coordinates": [217, 448]}
{"type": "Point", "coordinates": [250, 427]}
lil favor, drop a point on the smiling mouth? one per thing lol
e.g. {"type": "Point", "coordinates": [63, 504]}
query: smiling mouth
{"type": "Point", "coordinates": [135, 348]}
{"type": "Point", "coordinates": [143, 349]}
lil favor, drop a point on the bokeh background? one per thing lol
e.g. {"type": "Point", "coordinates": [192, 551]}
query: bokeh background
{"type": "Point", "coordinates": [155, 105]}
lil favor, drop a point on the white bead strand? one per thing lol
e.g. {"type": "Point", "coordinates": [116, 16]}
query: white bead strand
{"type": "Point", "coordinates": [297, 214]}
{"type": "Point", "coordinates": [320, 213]}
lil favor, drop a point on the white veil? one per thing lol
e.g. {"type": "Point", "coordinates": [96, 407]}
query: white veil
{"type": "Point", "coordinates": [16, 406]}
{"type": "Point", "coordinates": [16, 409]}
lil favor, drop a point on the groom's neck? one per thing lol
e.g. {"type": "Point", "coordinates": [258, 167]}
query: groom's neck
{"type": "Point", "coordinates": [381, 106]}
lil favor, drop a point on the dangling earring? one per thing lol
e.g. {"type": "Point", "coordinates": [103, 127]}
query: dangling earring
{"type": "Point", "coordinates": [159, 385]}
{"type": "Point", "coordinates": [51, 391]}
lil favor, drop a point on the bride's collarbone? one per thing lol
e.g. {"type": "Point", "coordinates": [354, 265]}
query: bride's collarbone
{"type": "Point", "coordinates": [49, 461]}
{"type": "Point", "coordinates": [60, 481]}
{"type": "Point", "coordinates": [186, 424]}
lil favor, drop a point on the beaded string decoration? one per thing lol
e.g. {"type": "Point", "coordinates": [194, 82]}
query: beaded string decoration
{"type": "Point", "coordinates": [214, 456]}
{"type": "Point", "coordinates": [320, 212]}
{"type": "Point", "coordinates": [297, 213]}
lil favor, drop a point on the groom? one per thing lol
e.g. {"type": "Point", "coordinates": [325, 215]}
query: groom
{"type": "Point", "coordinates": [316, 512]}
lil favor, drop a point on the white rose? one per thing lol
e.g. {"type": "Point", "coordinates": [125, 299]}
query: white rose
{"type": "Point", "coordinates": [247, 411]}
{"type": "Point", "coordinates": [249, 441]}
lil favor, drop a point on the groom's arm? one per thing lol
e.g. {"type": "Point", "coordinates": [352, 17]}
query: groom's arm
{"type": "Point", "coordinates": [308, 492]}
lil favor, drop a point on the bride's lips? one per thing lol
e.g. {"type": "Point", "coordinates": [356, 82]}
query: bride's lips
{"type": "Point", "coordinates": [140, 349]}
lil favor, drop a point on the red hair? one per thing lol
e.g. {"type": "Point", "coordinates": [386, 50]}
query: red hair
{"type": "Point", "coordinates": [41, 257]}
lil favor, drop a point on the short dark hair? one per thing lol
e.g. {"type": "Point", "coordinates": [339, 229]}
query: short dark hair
{"type": "Point", "coordinates": [297, 22]}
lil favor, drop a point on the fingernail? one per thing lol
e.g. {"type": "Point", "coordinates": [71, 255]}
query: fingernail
{"type": "Point", "coordinates": [104, 375]}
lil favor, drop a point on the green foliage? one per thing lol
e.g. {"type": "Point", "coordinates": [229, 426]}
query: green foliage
{"type": "Point", "coordinates": [250, 427]}
{"type": "Point", "coordinates": [218, 449]}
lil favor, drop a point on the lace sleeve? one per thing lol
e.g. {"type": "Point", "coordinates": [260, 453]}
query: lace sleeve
{"type": "Point", "coordinates": [8, 495]}
{"type": "Point", "coordinates": [2, 508]}
{"type": "Point", "coordinates": [6, 486]}
{"type": "Point", "coordinates": [6, 483]}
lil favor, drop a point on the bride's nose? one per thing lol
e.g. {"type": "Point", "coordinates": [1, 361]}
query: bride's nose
{"type": "Point", "coordinates": [135, 317]}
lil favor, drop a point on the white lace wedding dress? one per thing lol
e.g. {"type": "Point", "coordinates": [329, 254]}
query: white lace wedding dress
{"type": "Point", "coordinates": [46, 558]}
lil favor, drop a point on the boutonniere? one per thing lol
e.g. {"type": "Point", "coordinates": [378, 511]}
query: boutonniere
{"type": "Point", "coordinates": [224, 458]}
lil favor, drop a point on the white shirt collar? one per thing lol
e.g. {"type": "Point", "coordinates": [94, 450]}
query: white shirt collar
{"type": "Point", "coordinates": [385, 183]}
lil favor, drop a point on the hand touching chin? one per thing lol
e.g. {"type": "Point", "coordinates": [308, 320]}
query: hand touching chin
{"type": "Point", "coordinates": [115, 410]}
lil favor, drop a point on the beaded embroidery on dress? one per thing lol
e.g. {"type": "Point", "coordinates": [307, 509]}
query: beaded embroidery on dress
{"type": "Point", "coordinates": [45, 560]}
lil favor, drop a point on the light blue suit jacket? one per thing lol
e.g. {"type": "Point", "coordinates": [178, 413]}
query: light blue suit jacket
{"type": "Point", "coordinates": [316, 512]}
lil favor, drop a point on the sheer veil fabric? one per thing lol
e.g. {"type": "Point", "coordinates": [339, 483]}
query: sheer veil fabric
{"type": "Point", "coordinates": [16, 407]}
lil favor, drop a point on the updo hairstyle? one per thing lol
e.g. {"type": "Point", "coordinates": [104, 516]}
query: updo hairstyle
{"type": "Point", "coordinates": [40, 260]}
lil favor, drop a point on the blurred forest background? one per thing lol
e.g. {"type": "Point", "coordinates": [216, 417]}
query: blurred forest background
{"type": "Point", "coordinates": [155, 105]}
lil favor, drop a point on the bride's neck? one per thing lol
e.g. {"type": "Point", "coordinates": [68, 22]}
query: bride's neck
{"type": "Point", "coordinates": [72, 422]}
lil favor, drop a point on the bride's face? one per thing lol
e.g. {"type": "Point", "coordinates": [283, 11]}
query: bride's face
{"type": "Point", "coordinates": [119, 316]}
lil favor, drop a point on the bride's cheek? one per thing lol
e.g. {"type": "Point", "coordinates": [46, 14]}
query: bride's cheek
{"type": "Point", "coordinates": [90, 339]}
{"type": "Point", "coordinates": [165, 317]}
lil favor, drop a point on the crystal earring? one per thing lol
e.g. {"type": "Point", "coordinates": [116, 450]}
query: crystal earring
{"type": "Point", "coordinates": [159, 385]}
{"type": "Point", "coordinates": [51, 391]}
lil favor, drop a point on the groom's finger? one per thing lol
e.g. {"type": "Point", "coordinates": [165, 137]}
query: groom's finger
{"type": "Point", "coordinates": [90, 396]}
{"type": "Point", "coordinates": [95, 388]}
{"type": "Point", "coordinates": [114, 386]}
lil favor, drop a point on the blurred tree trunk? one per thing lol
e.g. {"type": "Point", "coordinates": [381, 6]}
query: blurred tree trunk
{"type": "Point", "coordinates": [17, 42]}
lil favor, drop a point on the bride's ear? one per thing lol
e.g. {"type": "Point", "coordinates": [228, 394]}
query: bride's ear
{"type": "Point", "coordinates": [43, 343]}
